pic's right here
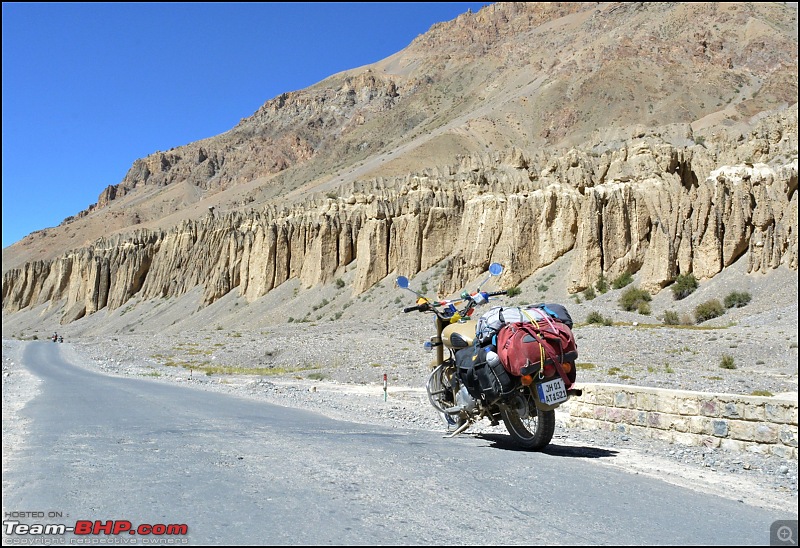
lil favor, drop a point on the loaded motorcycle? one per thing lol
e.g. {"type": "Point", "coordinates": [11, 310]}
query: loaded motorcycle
{"type": "Point", "coordinates": [469, 382]}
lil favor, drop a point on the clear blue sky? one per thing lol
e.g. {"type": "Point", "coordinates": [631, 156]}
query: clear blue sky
{"type": "Point", "coordinates": [89, 88]}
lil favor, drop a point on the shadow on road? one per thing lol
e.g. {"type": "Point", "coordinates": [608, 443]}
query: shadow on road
{"type": "Point", "coordinates": [503, 441]}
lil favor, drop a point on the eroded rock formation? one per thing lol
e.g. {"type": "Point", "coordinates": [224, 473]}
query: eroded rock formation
{"type": "Point", "coordinates": [646, 207]}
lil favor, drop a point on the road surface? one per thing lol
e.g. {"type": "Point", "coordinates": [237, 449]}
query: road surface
{"type": "Point", "coordinates": [112, 452]}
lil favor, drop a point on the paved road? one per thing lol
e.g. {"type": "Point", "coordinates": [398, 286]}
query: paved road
{"type": "Point", "coordinates": [239, 471]}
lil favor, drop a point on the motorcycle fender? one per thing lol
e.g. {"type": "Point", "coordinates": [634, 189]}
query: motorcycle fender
{"type": "Point", "coordinates": [544, 406]}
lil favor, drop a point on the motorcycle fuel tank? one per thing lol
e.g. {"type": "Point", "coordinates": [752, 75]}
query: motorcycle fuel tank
{"type": "Point", "coordinates": [460, 334]}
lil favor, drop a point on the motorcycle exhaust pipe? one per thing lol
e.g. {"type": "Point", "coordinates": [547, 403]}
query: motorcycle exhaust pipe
{"type": "Point", "coordinates": [459, 430]}
{"type": "Point", "coordinates": [575, 392]}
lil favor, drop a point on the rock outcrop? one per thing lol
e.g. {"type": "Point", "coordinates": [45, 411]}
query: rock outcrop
{"type": "Point", "coordinates": [646, 207]}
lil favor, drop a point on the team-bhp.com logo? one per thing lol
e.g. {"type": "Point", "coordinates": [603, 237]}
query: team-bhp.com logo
{"type": "Point", "coordinates": [87, 532]}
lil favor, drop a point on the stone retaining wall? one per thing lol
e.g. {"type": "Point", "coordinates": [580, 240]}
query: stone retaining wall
{"type": "Point", "coordinates": [730, 421]}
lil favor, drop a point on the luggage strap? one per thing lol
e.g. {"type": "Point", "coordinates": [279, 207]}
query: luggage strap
{"type": "Point", "coordinates": [555, 360]}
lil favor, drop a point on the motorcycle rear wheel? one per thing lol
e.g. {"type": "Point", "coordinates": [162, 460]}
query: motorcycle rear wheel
{"type": "Point", "coordinates": [533, 430]}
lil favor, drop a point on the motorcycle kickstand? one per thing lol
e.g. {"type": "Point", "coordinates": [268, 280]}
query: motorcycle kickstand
{"type": "Point", "coordinates": [458, 430]}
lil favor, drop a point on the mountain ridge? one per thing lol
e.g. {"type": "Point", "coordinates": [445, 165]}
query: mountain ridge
{"type": "Point", "coordinates": [514, 85]}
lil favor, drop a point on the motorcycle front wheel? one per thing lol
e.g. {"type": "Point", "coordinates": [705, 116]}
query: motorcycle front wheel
{"type": "Point", "coordinates": [529, 427]}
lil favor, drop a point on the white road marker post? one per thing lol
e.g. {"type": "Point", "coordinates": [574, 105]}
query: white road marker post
{"type": "Point", "coordinates": [385, 386]}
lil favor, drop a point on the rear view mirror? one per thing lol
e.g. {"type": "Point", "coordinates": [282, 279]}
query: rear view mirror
{"type": "Point", "coordinates": [494, 270]}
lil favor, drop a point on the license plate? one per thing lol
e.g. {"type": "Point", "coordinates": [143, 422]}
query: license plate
{"type": "Point", "coordinates": [552, 392]}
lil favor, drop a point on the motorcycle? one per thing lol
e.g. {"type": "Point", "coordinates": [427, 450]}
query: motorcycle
{"type": "Point", "coordinates": [525, 404]}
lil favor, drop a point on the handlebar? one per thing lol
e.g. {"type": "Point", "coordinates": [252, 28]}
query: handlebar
{"type": "Point", "coordinates": [448, 308]}
{"type": "Point", "coordinates": [420, 307]}
{"type": "Point", "coordinates": [496, 293]}
{"type": "Point", "coordinates": [466, 311]}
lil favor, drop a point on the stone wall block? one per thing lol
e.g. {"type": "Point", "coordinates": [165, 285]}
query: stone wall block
{"type": "Point", "coordinates": [688, 406]}
{"type": "Point", "coordinates": [655, 420]}
{"type": "Point", "coordinates": [709, 408]}
{"type": "Point", "coordinates": [732, 445]}
{"type": "Point", "coordinates": [700, 425]}
{"type": "Point", "coordinates": [787, 435]}
{"type": "Point", "coordinates": [781, 412]}
{"type": "Point", "coordinates": [733, 410]}
{"type": "Point", "coordinates": [622, 399]}
{"type": "Point", "coordinates": [755, 413]}
{"type": "Point", "coordinates": [719, 428]}
{"type": "Point", "coordinates": [667, 403]}
{"type": "Point", "coordinates": [646, 402]}
{"type": "Point", "coordinates": [742, 430]}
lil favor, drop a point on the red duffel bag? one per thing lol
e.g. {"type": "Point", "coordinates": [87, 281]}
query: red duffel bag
{"type": "Point", "coordinates": [531, 348]}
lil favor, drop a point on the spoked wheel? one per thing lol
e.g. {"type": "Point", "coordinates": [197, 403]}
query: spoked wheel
{"type": "Point", "coordinates": [530, 428]}
{"type": "Point", "coordinates": [442, 395]}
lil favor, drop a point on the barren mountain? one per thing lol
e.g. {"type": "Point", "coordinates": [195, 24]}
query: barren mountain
{"type": "Point", "coordinates": [648, 138]}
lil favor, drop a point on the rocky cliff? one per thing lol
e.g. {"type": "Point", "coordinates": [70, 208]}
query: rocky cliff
{"type": "Point", "coordinates": [647, 207]}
